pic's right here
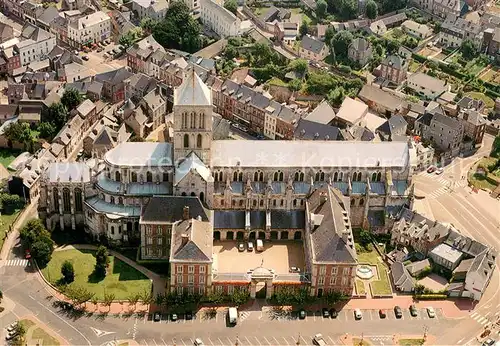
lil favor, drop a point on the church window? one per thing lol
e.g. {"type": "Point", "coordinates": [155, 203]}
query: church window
{"type": "Point", "coordinates": [55, 195]}
{"type": "Point", "coordinates": [198, 141]}
{"type": "Point", "coordinates": [186, 141]}
{"type": "Point", "coordinates": [118, 176]}
{"type": "Point", "coordinates": [320, 176]}
{"type": "Point", "coordinates": [299, 176]}
{"type": "Point", "coordinates": [66, 200]}
{"type": "Point", "coordinates": [134, 177]}
{"type": "Point", "coordinates": [165, 176]}
{"type": "Point", "coordinates": [78, 200]}
{"type": "Point", "coordinates": [278, 176]}
{"type": "Point", "coordinates": [149, 177]}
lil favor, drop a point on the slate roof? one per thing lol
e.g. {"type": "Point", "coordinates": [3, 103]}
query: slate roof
{"type": "Point", "coordinates": [170, 209]}
{"type": "Point", "coordinates": [193, 92]}
{"type": "Point", "coordinates": [465, 244]}
{"type": "Point", "coordinates": [311, 44]}
{"type": "Point", "coordinates": [395, 61]}
{"type": "Point", "coordinates": [113, 77]}
{"type": "Point", "coordinates": [415, 267]}
{"type": "Point", "coordinates": [401, 277]}
{"type": "Point", "coordinates": [359, 44]}
{"type": "Point", "coordinates": [192, 163]}
{"type": "Point", "coordinates": [229, 219]}
{"type": "Point", "coordinates": [292, 219]}
{"type": "Point", "coordinates": [310, 130]}
{"type": "Point", "coordinates": [385, 99]}
{"type": "Point", "coordinates": [322, 114]}
{"type": "Point", "coordinates": [199, 242]}
{"type": "Point", "coordinates": [331, 240]}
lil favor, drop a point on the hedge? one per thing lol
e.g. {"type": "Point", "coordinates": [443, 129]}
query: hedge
{"type": "Point", "coordinates": [430, 296]}
{"type": "Point", "coordinates": [419, 57]}
{"type": "Point", "coordinates": [491, 93]}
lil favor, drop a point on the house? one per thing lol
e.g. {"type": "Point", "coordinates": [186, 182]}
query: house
{"type": "Point", "coordinates": [377, 28]}
{"type": "Point", "coordinates": [420, 31]}
{"type": "Point", "coordinates": [445, 132]}
{"type": "Point", "coordinates": [8, 112]}
{"type": "Point", "coordinates": [426, 86]}
{"type": "Point", "coordinates": [417, 231]}
{"type": "Point", "coordinates": [47, 17]}
{"type": "Point", "coordinates": [351, 112]}
{"type": "Point", "coordinates": [138, 85]}
{"type": "Point", "coordinates": [35, 45]}
{"type": "Point", "coordinates": [218, 19]}
{"type": "Point", "coordinates": [474, 125]}
{"type": "Point", "coordinates": [74, 72]}
{"type": "Point", "coordinates": [311, 48]}
{"type": "Point", "coordinates": [310, 130]}
{"type": "Point", "coordinates": [89, 29]}
{"type": "Point", "coordinates": [401, 278]}
{"type": "Point", "coordinates": [393, 129]}
{"type": "Point", "coordinates": [444, 8]}
{"type": "Point", "coordinates": [446, 256]}
{"type": "Point", "coordinates": [139, 52]}
{"type": "Point", "coordinates": [382, 102]}
{"type": "Point", "coordinates": [322, 114]}
{"type": "Point", "coordinates": [421, 157]}
{"type": "Point", "coordinates": [154, 9]}
{"type": "Point", "coordinates": [394, 20]}
{"type": "Point", "coordinates": [416, 268]}
{"type": "Point", "coordinates": [479, 274]}
{"type": "Point", "coordinates": [394, 69]}
{"type": "Point", "coordinates": [120, 23]}
{"type": "Point", "coordinates": [113, 83]}
{"type": "Point", "coordinates": [360, 51]}
{"type": "Point", "coordinates": [469, 103]}
{"type": "Point", "coordinates": [456, 30]}
{"type": "Point", "coordinates": [104, 138]}
{"type": "Point", "coordinates": [491, 42]}
{"type": "Point", "coordinates": [286, 32]}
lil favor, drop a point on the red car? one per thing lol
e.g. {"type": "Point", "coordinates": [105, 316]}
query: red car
{"type": "Point", "coordinates": [431, 169]}
{"type": "Point", "coordinates": [381, 313]}
{"type": "Point", "coordinates": [27, 254]}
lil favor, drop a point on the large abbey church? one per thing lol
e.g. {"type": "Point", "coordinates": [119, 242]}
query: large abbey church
{"type": "Point", "coordinates": [180, 201]}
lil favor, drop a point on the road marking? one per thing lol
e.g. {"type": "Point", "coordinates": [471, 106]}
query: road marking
{"type": "Point", "coordinates": [155, 342]}
{"type": "Point", "coordinates": [164, 343]}
{"type": "Point", "coordinates": [267, 341]}
{"type": "Point", "coordinates": [304, 340]}
{"type": "Point", "coordinates": [371, 317]}
{"type": "Point", "coordinates": [257, 341]}
{"type": "Point", "coordinates": [230, 343]}
{"type": "Point", "coordinates": [286, 341]}
{"type": "Point", "coordinates": [220, 341]}
{"type": "Point", "coordinates": [277, 342]}
{"type": "Point", "coordinates": [473, 314]}
{"type": "Point", "coordinates": [145, 343]}
{"type": "Point", "coordinates": [487, 314]}
{"type": "Point", "coordinates": [210, 341]}
{"type": "Point", "coordinates": [331, 340]}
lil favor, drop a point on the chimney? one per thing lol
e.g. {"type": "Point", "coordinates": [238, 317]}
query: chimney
{"type": "Point", "coordinates": [185, 213]}
{"type": "Point", "coordinates": [184, 240]}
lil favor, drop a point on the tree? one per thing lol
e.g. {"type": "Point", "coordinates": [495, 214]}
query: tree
{"type": "Point", "coordinates": [336, 96]}
{"type": "Point", "coordinates": [127, 39]}
{"type": "Point", "coordinates": [371, 9]}
{"type": "Point", "coordinates": [46, 131]}
{"type": "Point", "coordinates": [341, 42]}
{"type": "Point", "coordinates": [41, 252]}
{"type": "Point", "coordinates": [20, 331]}
{"type": "Point", "coordinates": [329, 33]}
{"type": "Point", "coordinates": [299, 65]}
{"type": "Point", "coordinates": [295, 84]}
{"type": "Point", "coordinates": [178, 30]}
{"type": "Point", "coordinates": [133, 299]}
{"type": "Point", "coordinates": [321, 9]}
{"type": "Point", "coordinates": [1, 296]}
{"type": "Point", "coordinates": [432, 65]}
{"type": "Point", "coordinates": [20, 132]}
{"type": "Point", "coordinates": [57, 115]}
{"type": "Point", "coordinates": [304, 28]}
{"type": "Point", "coordinates": [147, 297]}
{"type": "Point", "coordinates": [148, 24]}
{"type": "Point", "coordinates": [348, 9]}
{"type": "Point", "coordinates": [71, 98]}
{"type": "Point", "coordinates": [68, 272]}
{"type": "Point", "coordinates": [33, 231]}
{"type": "Point", "coordinates": [240, 297]}
{"type": "Point", "coordinates": [108, 299]}
{"type": "Point", "coordinates": [468, 50]}
{"type": "Point", "coordinates": [101, 261]}
{"type": "Point", "coordinates": [95, 301]}
{"type": "Point", "coordinates": [231, 6]}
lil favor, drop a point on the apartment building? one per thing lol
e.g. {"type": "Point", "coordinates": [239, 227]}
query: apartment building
{"type": "Point", "coordinates": [445, 132]}
{"type": "Point", "coordinates": [89, 29]}
{"type": "Point", "coordinates": [456, 30]}
{"type": "Point", "coordinates": [218, 19]}
{"type": "Point", "coordinates": [154, 9]}
{"type": "Point", "coordinates": [35, 44]}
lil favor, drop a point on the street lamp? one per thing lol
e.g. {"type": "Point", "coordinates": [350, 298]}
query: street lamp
{"type": "Point", "coordinates": [237, 341]}
{"type": "Point", "coordinates": [298, 341]}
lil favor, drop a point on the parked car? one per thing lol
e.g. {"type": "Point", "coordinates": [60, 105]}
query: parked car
{"type": "Point", "coordinates": [431, 169]}
{"type": "Point", "coordinates": [198, 342]}
{"type": "Point", "coordinates": [439, 170]}
{"type": "Point", "coordinates": [27, 254]}
{"type": "Point", "coordinates": [250, 246]}
{"type": "Point", "coordinates": [85, 57]}
{"type": "Point", "coordinates": [357, 314]}
{"type": "Point", "coordinates": [398, 312]}
{"type": "Point", "coordinates": [488, 342]}
{"type": "Point", "coordinates": [241, 247]}
{"type": "Point", "coordinates": [11, 327]}
{"type": "Point", "coordinates": [11, 336]}
{"type": "Point", "coordinates": [318, 340]}
{"type": "Point", "coordinates": [382, 313]}
{"type": "Point", "coordinates": [430, 312]}
{"type": "Point", "coordinates": [333, 313]}
{"type": "Point", "coordinates": [326, 314]}
{"type": "Point", "coordinates": [302, 314]}
{"type": "Point", "coordinates": [157, 317]}
{"type": "Point", "coordinates": [108, 41]}
{"type": "Point", "coordinates": [100, 49]}
{"type": "Point", "coordinates": [413, 310]}
{"type": "Point", "coordinates": [294, 270]}
{"type": "Point", "coordinates": [105, 55]}
{"type": "Point", "coordinates": [189, 315]}
{"type": "Point", "coordinates": [174, 317]}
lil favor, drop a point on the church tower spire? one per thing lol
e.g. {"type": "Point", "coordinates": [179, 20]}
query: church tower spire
{"type": "Point", "coordinates": [192, 118]}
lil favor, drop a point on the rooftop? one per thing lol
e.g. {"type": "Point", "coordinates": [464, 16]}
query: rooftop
{"type": "Point", "coordinates": [140, 154]}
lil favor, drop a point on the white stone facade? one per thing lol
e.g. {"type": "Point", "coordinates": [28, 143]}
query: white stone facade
{"type": "Point", "coordinates": [218, 19]}
{"type": "Point", "coordinates": [94, 28]}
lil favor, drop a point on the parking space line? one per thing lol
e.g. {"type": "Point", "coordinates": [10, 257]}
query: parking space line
{"type": "Point", "coordinates": [277, 342]}
{"type": "Point", "coordinates": [346, 318]}
{"type": "Point", "coordinates": [331, 340]}
{"type": "Point", "coordinates": [371, 316]}
{"type": "Point", "coordinates": [164, 343]}
{"type": "Point", "coordinates": [183, 342]}
{"type": "Point", "coordinates": [230, 343]}
{"type": "Point", "coordinates": [304, 340]}
{"type": "Point", "coordinates": [145, 343]}
{"type": "Point", "coordinates": [286, 341]}
{"type": "Point", "coordinates": [155, 342]}
{"type": "Point", "coordinates": [267, 341]}
{"type": "Point", "coordinates": [257, 341]}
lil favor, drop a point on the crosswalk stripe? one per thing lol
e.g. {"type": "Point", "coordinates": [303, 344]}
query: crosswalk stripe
{"type": "Point", "coordinates": [473, 314]}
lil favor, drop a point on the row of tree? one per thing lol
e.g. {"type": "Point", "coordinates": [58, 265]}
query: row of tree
{"type": "Point", "coordinates": [36, 238]}
{"type": "Point", "coordinates": [301, 297]}
{"type": "Point", "coordinates": [10, 203]}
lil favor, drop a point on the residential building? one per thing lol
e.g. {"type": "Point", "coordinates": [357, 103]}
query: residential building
{"type": "Point", "coordinates": [360, 51]}
{"type": "Point", "coordinates": [421, 157]}
{"type": "Point", "coordinates": [474, 125]}
{"type": "Point", "coordinates": [401, 278]}
{"type": "Point", "coordinates": [420, 31]}
{"type": "Point", "coordinates": [286, 32]}
{"type": "Point", "coordinates": [311, 48]}
{"type": "Point", "coordinates": [446, 256]}
{"type": "Point", "coordinates": [154, 9]}
{"type": "Point", "coordinates": [89, 29]}
{"type": "Point", "coordinates": [426, 86]}
{"type": "Point", "coordinates": [456, 30]}
{"type": "Point", "coordinates": [393, 129]}
{"type": "Point", "coordinates": [351, 112]}
{"type": "Point", "coordinates": [394, 69]}
{"type": "Point", "coordinates": [36, 44]}
{"type": "Point", "coordinates": [310, 130]}
{"type": "Point", "coordinates": [139, 52]}
{"type": "Point", "coordinates": [113, 83]}
{"type": "Point", "coordinates": [444, 132]}
{"type": "Point", "coordinates": [418, 267]}
{"type": "Point", "coordinates": [139, 85]}
{"type": "Point", "coordinates": [103, 138]}
{"type": "Point", "coordinates": [383, 102]}
{"type": "Point", "coordinates": [322, 114]}
{"type": "Point", "coordinates": [444, 8]}
{"type": "Point", "coordinates": [218, 19]}
{"type": "Point", "coordinates": [491, 42]}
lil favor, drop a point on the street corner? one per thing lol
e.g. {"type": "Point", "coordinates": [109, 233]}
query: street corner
{"type": "Point", "coordinates": [39, 333]}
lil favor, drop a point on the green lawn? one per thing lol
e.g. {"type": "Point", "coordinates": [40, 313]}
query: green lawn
{"type": "Point", "coordinates": [36, 335]}
{"type": "Point", "coordinates": [359, 342]}
{"type": "Point", "coordinates": [7, 156]}
{"type": "Point", "coordinates": [259, 10]}
{"type": "Point", "coordinates": [411, 342]}
{"type": "Point", "coordinates": [482, 182]}
{"type": "Point", "coordinates": [480, 96]}
{"type": "Point", "coordinates": [474, 66]}
{"type": "Point", "coordinates": [414, 66]}
{"type": "Point", "coordinates": [368, 257]}
{"type": "Point", "coordinates": [360, 287]}
{"type": "Point", "coordinates": [382, 286]}
{"type": "Point", "coordinates": [5, 221]}
{"type": "Point", "coordinates": [277, 81]}
{"type": "Point", "coordinates": [122, 280]}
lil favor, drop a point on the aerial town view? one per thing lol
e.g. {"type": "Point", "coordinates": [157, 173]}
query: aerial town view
{"type": "Point", "coordinates": [249, 172]}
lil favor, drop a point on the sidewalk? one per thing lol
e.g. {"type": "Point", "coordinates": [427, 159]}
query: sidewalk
{"type": "Point", "coordinates": [347, 339]}
{"type": "Point", "coordinates": [28, 213]}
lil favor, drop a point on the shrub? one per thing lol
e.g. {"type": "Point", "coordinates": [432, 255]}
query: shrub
{"type": "Point", "coordinates": [430, 296]}
{"type": "Point", "coordinates": [68, 272]}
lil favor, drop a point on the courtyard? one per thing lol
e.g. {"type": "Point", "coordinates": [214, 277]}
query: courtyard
{"type": "Point", "coordinates": [278, 256]}
{"type": "Point", "coordinates": [434, 282]}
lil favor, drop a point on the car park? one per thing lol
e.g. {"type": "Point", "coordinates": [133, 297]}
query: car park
{"type": "Point", "coordinates": [382, 313]}
{"type": "Point", "coordinates": [198, 342]}
{"type": "Point", "coordinates": [105, 55]}
{"type": "Point", "coordinates": [357, 314]}
{"type": "Point", "coordinates": [250, 246]}
{"type": "Point", "coordinates": [11, 336]}
{"type": "Point", "coordinates": [326, 314]}
{"type": "Point", "coordinates": [333, 313]}
{"type": "Point", "coordinates": [11, 327]}
{"type": "Point", "coordinates": [413, 310]}
{"type": "Point", "coordinates": [398, 312]}
{"type": "Point", "coordinates": [174, 317]}
{"type": "Point", "coordinates": [157, 317]}
{"type": "Point", "coordinates": [302, 314]}
{"type": "Point", "coordinates": [241, 247]}
{"type": "Point", "coordinates": [430, 312]}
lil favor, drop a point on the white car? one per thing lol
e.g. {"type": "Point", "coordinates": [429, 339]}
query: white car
{"type": "Point", "coordinates": [357, 314]}
{"type": "Point", "coordinates": [198, 342]}
{"type": "Point", "coordinates": [11, 327]}
{"type": "Point", "coordinates": [318, 340]}
{"type": "Point", "coordinates": [241, 247]}
{"type": "Point", "coordinates": [431, 312]}
{"type": "Point", "coordinates": [250, 246]}
{"type": "Point", "coordinates": [440, 170]}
